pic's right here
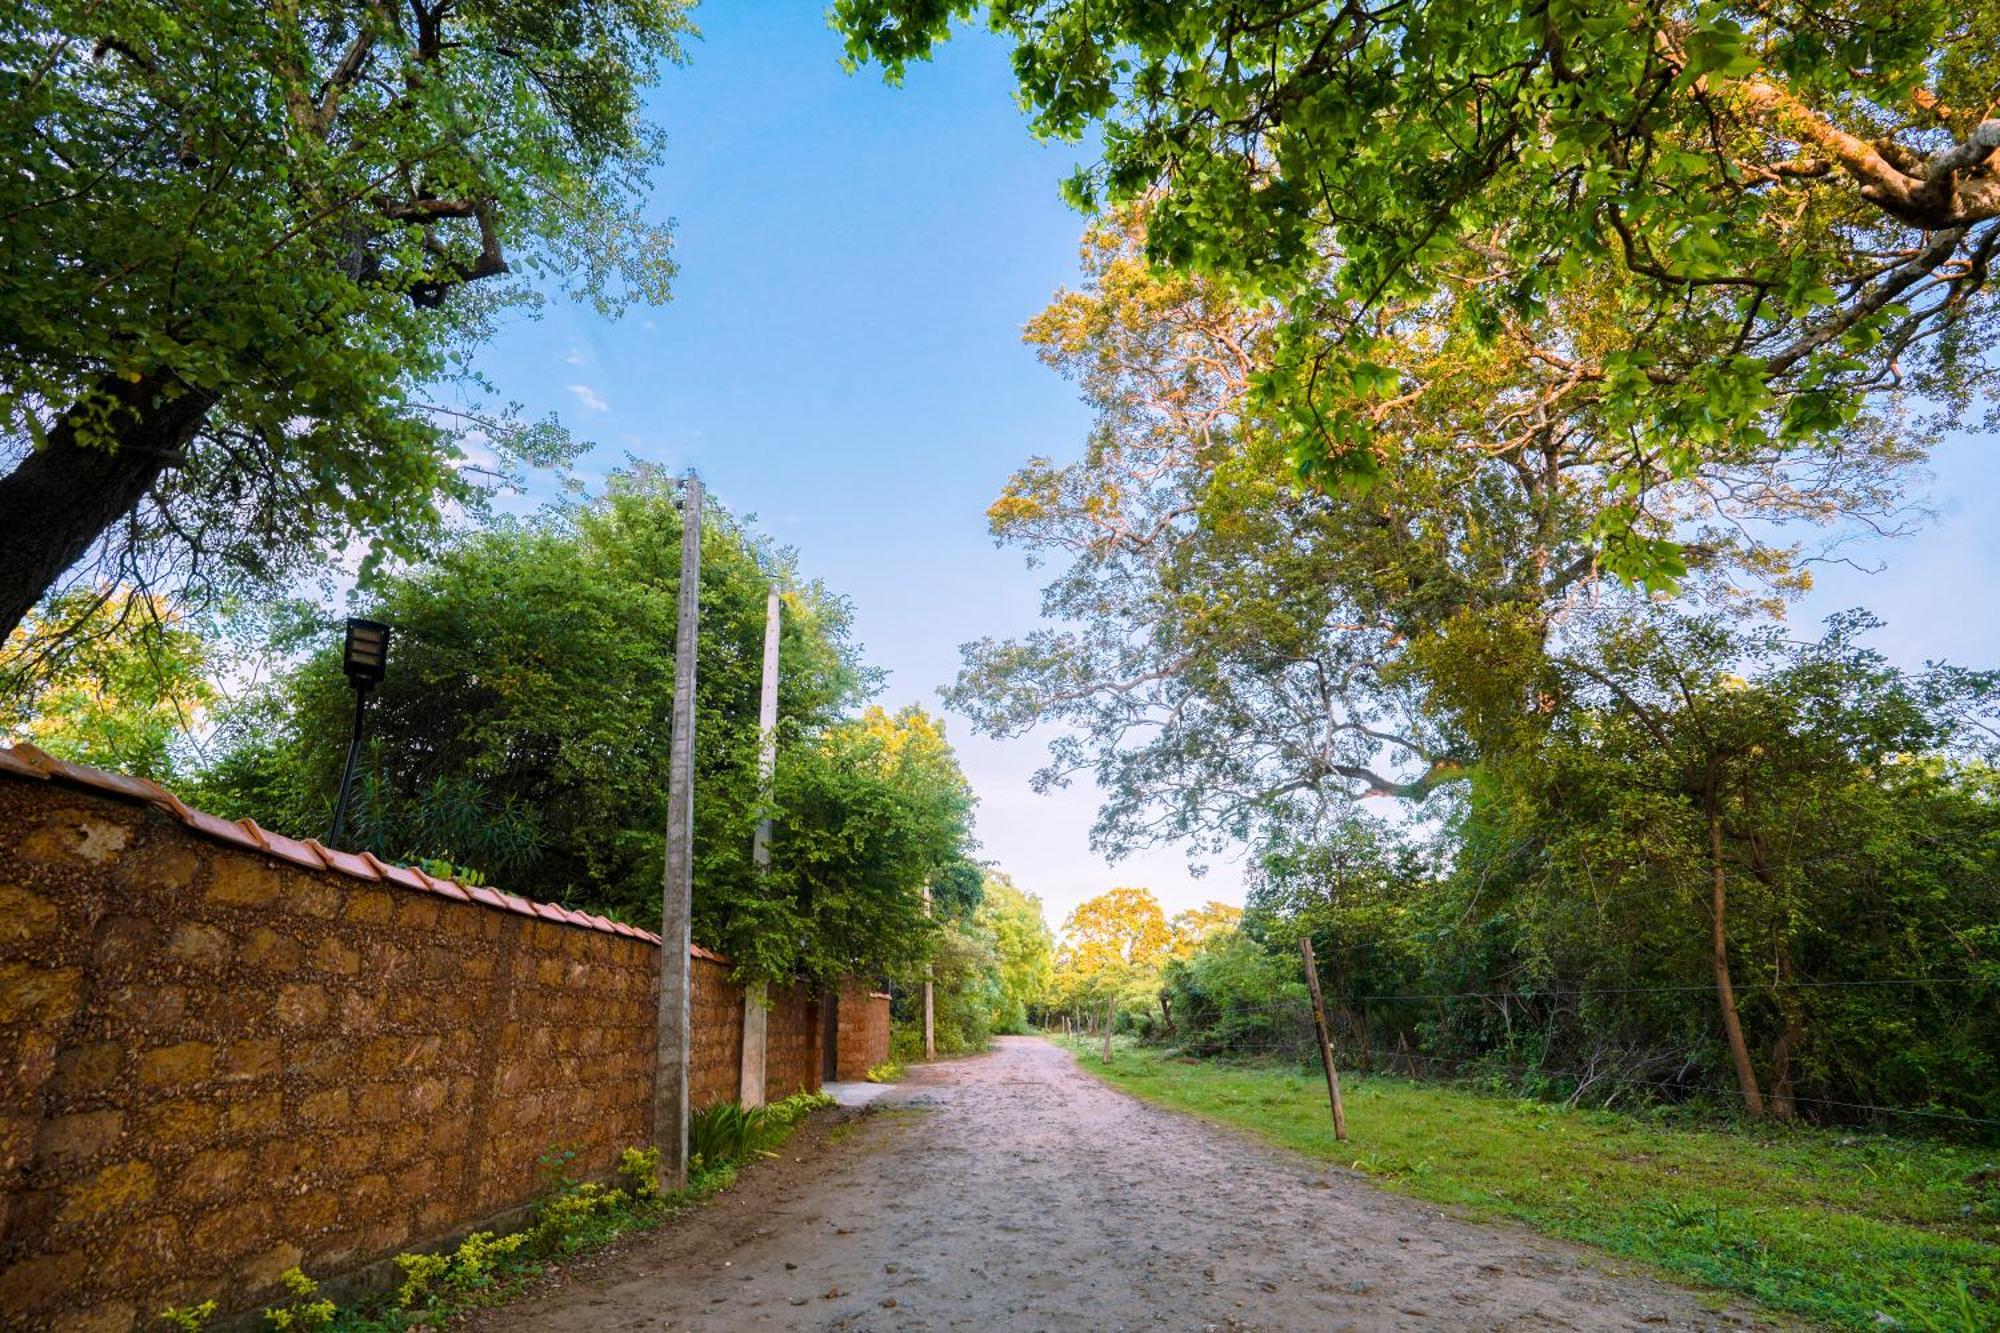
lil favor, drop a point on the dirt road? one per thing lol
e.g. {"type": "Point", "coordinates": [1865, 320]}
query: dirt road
{"type": "Point", "coordinates": [1013, 1191]}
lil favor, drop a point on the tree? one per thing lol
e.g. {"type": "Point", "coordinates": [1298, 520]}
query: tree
{"type": "Point", "coordinates": [871, 812]}
{"type": "Point", "coordinates": [1024, 951]}
{"type": "Point", "coordinates": [133, 680]}
{"type": "Point", "coordinates": [248, 246]}
{"type": "Point", "coordinates": [1233, 658]}
{"type": "Point", "coordinates": [523, 727]}
{"type": "Point", "coordinates": [1788, 820]}
{"type": "Point", "coordinates": [1722, 227]}
{"type": "Point", "coordinates": [1112, 944]}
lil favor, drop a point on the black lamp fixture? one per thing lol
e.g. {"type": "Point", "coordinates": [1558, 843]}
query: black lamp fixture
{"type": "Point", "coordinates": [365, 659]}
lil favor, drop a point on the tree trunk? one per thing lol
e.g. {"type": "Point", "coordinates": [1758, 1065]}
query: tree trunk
{"type": "Point", "coordinates": [65, 495]}
{"type": "Point", "coordinates": [1725, 994]}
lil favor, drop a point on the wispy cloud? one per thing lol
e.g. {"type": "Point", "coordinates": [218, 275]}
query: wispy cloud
{"type": "Point", "coordinates": [590, 398]}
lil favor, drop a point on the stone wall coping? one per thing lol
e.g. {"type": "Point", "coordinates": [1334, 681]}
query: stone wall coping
{"type": "Point", "coordinates": [23, 760]}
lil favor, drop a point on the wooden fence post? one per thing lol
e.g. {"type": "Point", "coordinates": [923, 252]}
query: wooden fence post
{"type": "Point", "coordinates": [1325, 1045]}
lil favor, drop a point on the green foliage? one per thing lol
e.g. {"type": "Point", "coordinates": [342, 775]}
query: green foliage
{"type": "Point", "coordinates": [109, 677]}
{"type": "Point", "coordinates": [1681, 209]}
{"type": "Point", "coordinates": [189, 1318]}
{"type": "Point", "coordinates": [1558, 935]}
{"type": "Point", "coordinates": [303, 255]}
{"type": "Point", "coordinates": [725, 1133]}
{"type": "Point", "coordinates": [419, 1272]}
{"type": "Point", "coordinates": [1023, 952]}
{"type": "Point", "coordinates": [889, 1071]}
{"type": "Point", "coordinates": [871, 813]}
{"type": "Point", "coordinates": [579, 1216]}
{"type": "Point", "coordinates": [307, 1312]}
{"type": "Point", "coordinates": [729, 1134]}
{"type": "Point", "coordinates": [639, 1170]}
{"type": "Point", "coordinates": [1233, 995]}
{"type": "Point", "coordinates": [1838, 1227]}
{"type": "Point", "coordinates": [525, 722]}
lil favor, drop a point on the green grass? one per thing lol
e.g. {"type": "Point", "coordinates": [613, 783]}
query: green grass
{"type": "Point", "coordinates": [1845, 1228]}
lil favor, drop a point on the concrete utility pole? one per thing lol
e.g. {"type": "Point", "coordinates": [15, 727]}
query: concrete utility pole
{"type": "Point", "coordinates": [930, 1009]}
{"type": "Point", "coordinates": [670, 1077]}
{"type": "Point", "coordinates": [750, 1078]}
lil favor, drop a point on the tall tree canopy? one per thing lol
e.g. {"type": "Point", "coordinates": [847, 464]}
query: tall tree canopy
{"type": "Point", "coordinates": [1234, 656]}
{"type": "Point", "coordinates": [1714, 229]}
{"type": "Point", "coordinates": [523, 732]}
{"type": "Point", "coordinates": [250, 247]}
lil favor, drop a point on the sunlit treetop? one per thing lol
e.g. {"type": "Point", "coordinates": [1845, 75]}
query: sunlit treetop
{"type": "Point", "coordinates": [1795, 206]}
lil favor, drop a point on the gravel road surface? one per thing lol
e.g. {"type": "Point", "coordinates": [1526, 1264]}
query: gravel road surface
{"type": "Point", "coordinates": [1013, 1191]}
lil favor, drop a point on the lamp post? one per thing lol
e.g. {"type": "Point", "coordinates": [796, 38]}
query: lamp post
{"type": "Point", "coordinates": [365, 659]}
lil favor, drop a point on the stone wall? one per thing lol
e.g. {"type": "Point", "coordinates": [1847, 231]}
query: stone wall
{"type": "Point", "coordinates": [863, 1041]}
{"type": "Point", "coordinates": [223, 1052]}
{"type": "Point", "coordinates": [792, 1047]}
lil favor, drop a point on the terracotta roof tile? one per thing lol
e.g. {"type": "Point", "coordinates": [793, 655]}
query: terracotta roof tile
{"type": "Point", "coordinates": [27, 761]}
{"type": "Point", "coordinates": [19, 765]}
{"type": "Point", "coordinates": [486, 897]}
{"type": "Point", "coordinates": [277, 844]}
{"type": "Point", "coordinates": [515, 903]}
{"type": "Point", "coordinates": [403, 875]}
{"type": "Point", "coordinates": [352, 864]}
{"type": "Point", "coordinates": [443, 888]}
{"type": "Point", "coordinates": [218, 828]}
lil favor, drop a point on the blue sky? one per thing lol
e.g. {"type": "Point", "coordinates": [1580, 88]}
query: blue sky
{"type": "Point", "coordinates": [842, 358]}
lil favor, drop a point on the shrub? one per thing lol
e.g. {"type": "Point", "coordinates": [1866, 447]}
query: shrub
{"type": "Point", "coordinates": [308, 1312]}
{"type": "Point", "coordinates": [419, 1271]}
{"type": "Point", "coordinates": [639, 1168]}
{"type": "Point", "coordinates": [728, 1132]}
{"type": "Point", "coordinates": [189, 1318]}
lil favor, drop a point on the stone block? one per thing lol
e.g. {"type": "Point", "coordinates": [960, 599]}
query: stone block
{"type": "Point", "coordinates": [144, 1006]}
{"type": "Point", "coordinates": [115, 1189]}
{"type": "Point", "coordinates": [326, 1107]}
{"type": "Point", "coordinates": [378, 1103]}
{"type": "Point", "coordinates": [255, 1115]}
{"type": "Point", "coordinates": [302, 1005]}
{"type": "Point", "coordinates": [418, 913]}
{"type": "Point", "coordinates": [269, 949]}
{"type": "Point", "coordinates": [174, 1066]}
{"type": "Point", "coordinates": [244, 1060]}
{"type": "Point", "coordinates": [176, 1124]}
{"type": "Point", "coordinates": [141, 1252]}
{"type": "Point", "coordinates": [336, 956]}
{"type": "Point", "coordinates": [40, 996]}
{"type": "Point", "coordinates": [264, 1268]}
{"type": "Point", "coordinates": [231, 1231]}
{"type": "Point", "coordinates": [243, 881]}
{"type": "Point", "coordinates": [311, 1213]}
{"type": "Point", "coordinates": [370, 906]}
{"type": "Point", "coordinates": [216, 1175]}
{"type": "Point", "coordinates": [36, 1284]}
{"type": "Point", "coordinates": [76, 837]}
{"type": "Point", "coordinates": [25, 917]}
{"type": "Point", "coordinates": [67, 1141]}
{"type": "Point", "coordinates": [86, 1069]}
{"type": "Point", "coordinates": [199, 945]}
{"type": "Point", "coordinates": [111, 1317]}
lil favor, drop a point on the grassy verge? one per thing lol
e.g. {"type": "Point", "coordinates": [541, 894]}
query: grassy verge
{"type": "Point", "coordinates": [1857, 1230]}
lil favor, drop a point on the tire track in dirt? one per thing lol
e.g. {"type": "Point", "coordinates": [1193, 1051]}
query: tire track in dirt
{"type": "Point", "coordinates": [1013, 1191]}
